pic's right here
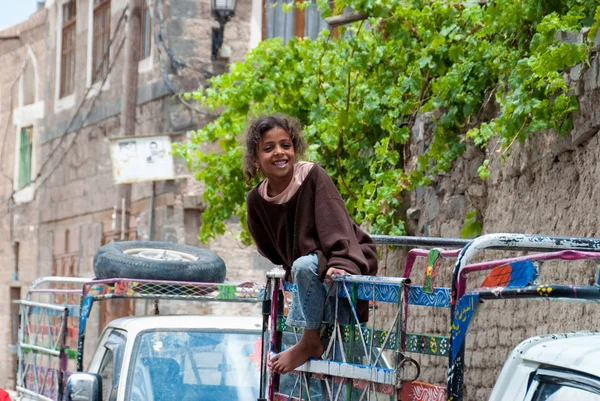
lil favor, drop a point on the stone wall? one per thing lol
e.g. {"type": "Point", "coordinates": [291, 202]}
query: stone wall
{"type": "Point", "coordinates": [548, 185]}
{"type": "Point", "coordinates": [18, 225]}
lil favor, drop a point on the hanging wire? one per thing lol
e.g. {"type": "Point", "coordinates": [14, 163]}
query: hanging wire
{"type": "Point", "coordinates": [40, 178]}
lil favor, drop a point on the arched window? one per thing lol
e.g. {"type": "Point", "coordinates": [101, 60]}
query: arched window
{"type": "Point", "coordinates": [28, 110]}
{"type": "Point", "coordinates": [28, 82]}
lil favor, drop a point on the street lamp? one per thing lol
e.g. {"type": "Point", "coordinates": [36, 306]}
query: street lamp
{"type": "Point", "coordinates": [221, 11]}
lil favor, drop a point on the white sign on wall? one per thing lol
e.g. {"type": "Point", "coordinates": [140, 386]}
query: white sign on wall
{"type": "Point", "coordinates": [143, 158]}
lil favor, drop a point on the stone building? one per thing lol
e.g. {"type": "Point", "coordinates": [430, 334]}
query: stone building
{"type": "Point", "coordinates": [57, 193]}
{"type": "Point", "coordinates": [60, 102]}
{"type": "Point", "coordinates": [22, 60]}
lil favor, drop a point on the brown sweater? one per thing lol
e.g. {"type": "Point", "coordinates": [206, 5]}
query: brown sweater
{"type": "Point", "coordinates": [314, 220]}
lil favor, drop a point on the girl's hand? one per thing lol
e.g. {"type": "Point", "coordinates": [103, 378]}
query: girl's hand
{"type": "Point", "coordinates": [333, 270]}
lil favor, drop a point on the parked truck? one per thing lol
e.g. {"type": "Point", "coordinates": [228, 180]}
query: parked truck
{"type": "Point", "coordinates": [220, 358]}
{"type": "Point", "coordinates": [143, 358]}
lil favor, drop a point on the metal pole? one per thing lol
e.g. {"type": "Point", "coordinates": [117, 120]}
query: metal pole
{"type": "Point", "coordinates": [129, 104]}
{"type": "Point", "coordinates": [124, 219]}
{"type": "Point", "coordinates": [151, 219]}
{"type": "Point", "coordinates": [62, 359]}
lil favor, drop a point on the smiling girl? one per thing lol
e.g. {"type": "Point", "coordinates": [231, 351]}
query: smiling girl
{"type": "Point", "coordinates": [298, 219]}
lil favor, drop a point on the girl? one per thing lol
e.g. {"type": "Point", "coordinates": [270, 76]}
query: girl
{"type": "Point", "coordinates": [298, 220]}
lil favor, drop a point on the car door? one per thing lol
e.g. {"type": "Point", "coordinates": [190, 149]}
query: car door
{"type": "Point", "coordinates": [108, 361]}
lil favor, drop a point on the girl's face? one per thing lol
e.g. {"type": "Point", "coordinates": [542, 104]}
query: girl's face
{"type": "Point", "coordinates": [276, 156]}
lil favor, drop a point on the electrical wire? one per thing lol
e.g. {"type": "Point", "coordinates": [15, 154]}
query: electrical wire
{"type": "Point", "coordinates": [39, 177]}
{"type": "Point", "coordinates": [8, 124]}
{"type": "Point", "coordinates": [85, 97]}
{"type": "Point", "coordinates": [159, 37]}
{"type": "Point", "coordinates": [70, 146]}
{"type": "Point", "coordinates": [176, 60]}
{"type": "Point", "coordinates": [157, 18]}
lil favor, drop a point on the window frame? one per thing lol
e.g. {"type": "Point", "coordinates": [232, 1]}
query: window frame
{"type": "Point", "coordinates": [100, 38]}
{"type": "Point", "coordinates": [145, 62]}
{"type": "Point", "coordinates": [25, 169]}
{"type": "Point", "coordinates": [298, 20]}
{"type": "Point", "coordinates": [27, 115]}
{"type": "Point", "coordinates": [146, 34]}
{"type": "Point", "coordinates": [68, 49]}
{"type": "Point", "coordinates": [116, 341]}
{"type": "Point", "coordinates": [562, 377]}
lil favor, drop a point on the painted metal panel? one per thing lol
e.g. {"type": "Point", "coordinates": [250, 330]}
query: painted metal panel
{"type": "Point", "coordinates": [376, 338]}
{"type": "Point", "coordinates": [350, 371]}
{"type": "Point", "coordinates": [428, 344]}
{"type": "Point", "coordinates": [440, 297]}
{"type": "Point", "coordinates": [417, 391]}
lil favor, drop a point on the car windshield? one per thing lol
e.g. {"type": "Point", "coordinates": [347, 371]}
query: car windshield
{"type": "Point", "coordinates": [195, 365]}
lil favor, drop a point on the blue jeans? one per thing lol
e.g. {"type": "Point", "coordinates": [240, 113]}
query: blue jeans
{"type": "Point", "coordinates": [313, 301]}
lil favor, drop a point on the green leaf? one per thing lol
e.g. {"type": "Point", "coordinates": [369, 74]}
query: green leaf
{"type": "Point", "coordinates": [472, 227]}
{"type": "Point", "coordinates": [419, 80]}
{"type": "Point", "coordinates": [287, 7]}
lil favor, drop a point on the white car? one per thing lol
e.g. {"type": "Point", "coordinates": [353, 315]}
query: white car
{"type": "Point", "coordinates": [557, 367]}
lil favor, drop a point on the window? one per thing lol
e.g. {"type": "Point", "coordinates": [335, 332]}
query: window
{"type": "Point", "coordinates": [106, 372]}
{"type": "Point", "coordinates": [302, 23]}
{"type": "Point", "coordinates": [25, 147]}
{"type": "Point", "coordinates": [195, 365]}
{"type": "Point", "coordinates": [28, 84]}
{"type": "Point", "coordinates": [146, 41]}
{"type": "Point", "coordinates": [67, 60]}
{"type": "Point", "coordinates": [101, 39]}
{"type": "Point", "coordinates": [65, 258]}
{"type": "Point", "coordinates": [110, 367]}
{"type": "Point", "coordinates": [564, 385]}
{"type": "Point", "coordinates": [26, 115]}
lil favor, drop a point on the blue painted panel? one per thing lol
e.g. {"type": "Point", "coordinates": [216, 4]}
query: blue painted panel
{"type": "Point", "coordinates": [378, 292]}
{"type": "Point", "coordinates": [440, 297]}
{"type": "Point", "coordinates": [523, 273]}
{"type": "Point", "coordinates": [372, 291]}
{"type": "Point", "coordinates": [516, 274]}
{"type": "Point", "coordinates": [465, 308]}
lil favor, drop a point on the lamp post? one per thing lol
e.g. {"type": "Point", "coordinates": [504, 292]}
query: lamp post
{"type": "Point", "coordinates": [221, 11]}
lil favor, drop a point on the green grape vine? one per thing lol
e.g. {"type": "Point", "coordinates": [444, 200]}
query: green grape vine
{"type": "Point", "coordinates": [359, 95]}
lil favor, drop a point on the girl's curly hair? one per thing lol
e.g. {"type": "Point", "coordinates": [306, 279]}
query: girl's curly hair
{"type": "Point", "coordinates": [255, 131]}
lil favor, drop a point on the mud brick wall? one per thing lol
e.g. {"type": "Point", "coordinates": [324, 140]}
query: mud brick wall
{"type": "Point", "coordinates": [548, 185]}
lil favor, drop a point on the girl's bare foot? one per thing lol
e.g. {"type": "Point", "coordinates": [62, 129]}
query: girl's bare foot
{"type": "Point", "coordinates": [309, 346]}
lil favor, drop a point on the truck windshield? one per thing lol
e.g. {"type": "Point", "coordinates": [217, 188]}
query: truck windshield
{"type": "Point", "coordinates": [195, 365]}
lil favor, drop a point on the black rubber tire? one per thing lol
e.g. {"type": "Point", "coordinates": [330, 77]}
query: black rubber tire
{"type": "Point", "coordinates": [111, 262]}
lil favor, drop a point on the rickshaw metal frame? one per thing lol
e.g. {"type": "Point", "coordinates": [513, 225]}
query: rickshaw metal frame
{"type": "Point", "coordinates": [565, 248]}
{"type": "Point", "coordinates": [324, 368]}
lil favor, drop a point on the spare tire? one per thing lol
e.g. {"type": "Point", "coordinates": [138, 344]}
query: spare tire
{"type": "Point", "coordinates": [152, 260]}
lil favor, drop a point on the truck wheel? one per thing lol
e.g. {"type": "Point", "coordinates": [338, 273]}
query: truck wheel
{"type": "Point", "coordinates": [158, 261]}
